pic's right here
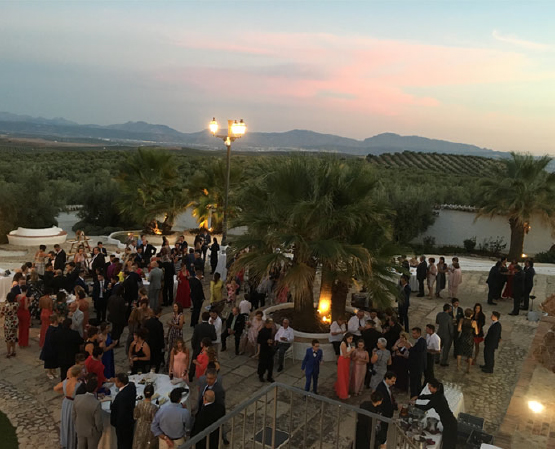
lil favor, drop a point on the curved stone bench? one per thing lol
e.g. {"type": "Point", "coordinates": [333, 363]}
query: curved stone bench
{"type": "Point", "coordinates": [35, 237]}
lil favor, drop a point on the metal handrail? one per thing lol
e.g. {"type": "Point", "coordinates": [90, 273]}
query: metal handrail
{"type": "Point", "coordinates": [262, 393]}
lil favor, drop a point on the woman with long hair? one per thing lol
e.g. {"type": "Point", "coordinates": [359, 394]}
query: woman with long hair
{"type": "Point", "coordinates": [400, 361]}
{"type": "Point", "coordinates": [68, 436]}
{"type": "Point", "coordinates": [107, 345]}
{"type": "Point", "coordinates": [480, 320]}
{"type": "Point", "coordinates": [441, 279]}
{"type": "Point", "coordinates": [344, 367]}
{"type": "Point", "coordinates": [202, 359]}
{"type": "Point", "coordinates": [431, 276]}
{"type": "Point", "coordinates": [46, 306]}
{"type": "Point", "coordinates": [254, 326]}
{"type": "Point", "coordinates": [176, 323]}
{"type": "Point", "coordinates": [139, 353]}
{"type": "Point", "coordinates": [183, 295]}
{"type": "Point", "coordinates": [24, 317]}
{"type": "Point", "coordinates": [40, 257]}
{"type": "Point", "coordinates": [179, 360]}
{"type": "Point", "coordinates": [467, 331]}
{"type": "Point", "coordinates": [214, 250]}
{"type": "Point", "coordinates": [144, 415]}
{"type": "Point", "coordinates": [360, 364]}
{"type": "Point", "coordinates": [11, 322]}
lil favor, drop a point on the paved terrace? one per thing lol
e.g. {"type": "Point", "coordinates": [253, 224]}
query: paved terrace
{"type": "Point", "coordinates": [27, 398]}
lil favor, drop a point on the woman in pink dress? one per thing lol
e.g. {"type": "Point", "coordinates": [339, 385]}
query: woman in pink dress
{"type": "Point", "coordinates": [179, 360]}
{"type": "Point", "coordinates": [344, 367]}
{"type": "Point", "coordinates": [183, 295]}
{"type": "Point", "coordinates": [46, 306]}
{"type": "Point", "coordinates": [360, 365]}
{"type": "Point", "coordinates": [455, 279]}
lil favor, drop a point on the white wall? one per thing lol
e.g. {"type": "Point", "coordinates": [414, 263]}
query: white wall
{"type": "Point", "coordinates": [452, 227]}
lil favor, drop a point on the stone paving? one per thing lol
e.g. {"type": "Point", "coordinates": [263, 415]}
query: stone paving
{"type": "Point", "coordinates": [488, 395]}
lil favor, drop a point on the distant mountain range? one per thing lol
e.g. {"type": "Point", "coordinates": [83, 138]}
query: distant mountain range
{"type": "Point", "coordinates": [142, 133]}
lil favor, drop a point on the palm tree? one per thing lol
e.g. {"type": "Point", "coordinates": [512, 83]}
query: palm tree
{"type": "Point", "coordinates": [520, 190]}
{"type": "Point", "coordinates": [206, 190]}
{"type": "Point", "coordinates": [305, 214]}
{"type": "Point", "coordinates": [150, 186]}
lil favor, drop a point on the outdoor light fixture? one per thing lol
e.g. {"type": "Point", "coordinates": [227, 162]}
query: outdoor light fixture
{"type": "Point", "coordinates": [235, 130]}
{"type": "Point", "coordinates": [535, 406]}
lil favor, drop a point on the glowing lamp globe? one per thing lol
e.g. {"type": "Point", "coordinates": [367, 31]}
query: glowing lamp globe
{"type": "Point", "coordinates": [213, 126]}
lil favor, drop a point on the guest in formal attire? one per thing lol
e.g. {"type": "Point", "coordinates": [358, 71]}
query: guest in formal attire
{"type": "Point", "coordinates": [446, 332]}
{"type": "Point", "coordinates": [216, 286]}
{"type": "Point", "coordinates": [60, 259]}
{"type": "Point", "coordinates": [344, 367]}
{"type": "Point", "coordinates": [92, 340]}
{"type": "Point", "coordinates": [480, 319]}
{"type": "Point", "coordinates": [155, 286]}
{"type": "Point", "coordinates": [467, 332]}
{"type": "Point", "coordinates": [76, 317]}
{"type": "Point", "coordinates": [433, 346]}
{"type": "Point", "coordinates": [216, 321]}
{"type": "Point", "coordinates": [455, 280]}
{"type": "Point", "coordinates": [11, 322]}
{"type": "Point", "coordinates": [438, 402]}
{"type": "Point", "coordinates": [183, 295]}
{"type": "Point", "coordinates": [338, 329]}
{"type": "Point", "coordinates": [175, 324]}
{"type": "Point", "coordinates": [529, 274]}
{"type": "Point", "coordinates": [173, 422]}
{"type": "Point", "coordinates": [389, 405]}
{"type": "Point", "coordinates": [380, 360]}
{"type": "Point", "coordinates": [100, 297]}
{"type": "Point", "coordinates": [209, 413]}
{"type": "Point", "coordinates": [360, 360]}
{"type": "Point", "coordinates": [400, 361]}
{"type": "Point", "coordinates": [404, 301]}
{"type": "Point", "coordinates": [24, 318]}
{"type": "Point", "coordinates": [87, 416]}
{"type": "Point", "coordinates": [441, 276]}
{"type": "Point", "coordinates": [284, 339]}
{"type": "Point", "coordinates": [197, 298]}
{"type": "Point", "coordinates": [117, 312]}
{"type": "Point", "coordinates": [202, 330]}
{"type": "Point", "coordinates": [311, 366]}
{"type": "Point", "coordinates": [357, 323]}
{"type": "Point", "coordinates": [93, 364]}
{"type": "Point", "coordinates": [46, 306]}
{"type": "Point", "coordinates": [107, 344]}
{"type": "Point", "coordinates": [68, 437]}
{"type": "Point", "coordinates": [48, 353]}
{"type": "Point", "coordinates": [121, 416]}
{"type": "Point", "coordinates": [364, 427]}
{"type": "Point", "coordinates": [457, 313]}
{"type": "Point", "coordinates": [491, 343]}
{"type": "Point", "coordinates": [214, 250]}
{"type": "Point", "coordinates": [139, 353]}
{"type": "Point", "coordinates": [179, 360]}
{"type": "Point", "coordinates": [431, 276]}
{"type": "Point", "coordinates": [417, 361]}
{"type": "Point", "coordinates": [235, 324]}
{"type": "Point", "coordinates": [155, 338]}
{"type": "Point", "coordinates": [144, 414]}
{"type": "Point", "coordinates": [266, 353]}
{"type": "Point", "coordinates": [421, 274]}
{"type": "Point", "coordinates": [67, 344]}
{"type": "Point", "coordinates": [518, 289]}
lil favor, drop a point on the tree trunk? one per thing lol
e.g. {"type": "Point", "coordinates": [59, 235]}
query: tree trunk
{"type": "Point", "coordinates": [517, 239]}
{"type": "Point", "coordinates": [339, 293]}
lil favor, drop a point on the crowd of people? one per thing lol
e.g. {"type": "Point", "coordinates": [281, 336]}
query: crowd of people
{"type": "Point", "coordinates": [373, 347]}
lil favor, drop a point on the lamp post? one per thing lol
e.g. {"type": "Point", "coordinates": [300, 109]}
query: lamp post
{"type": "Point", "coordinates": [235, 130]}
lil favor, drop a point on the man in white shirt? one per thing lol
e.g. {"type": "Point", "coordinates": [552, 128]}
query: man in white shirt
{"type": "Point", "coordinates": [338, 329]}
{"type": "Point", "coordinates": [217, 322]}
{"type": "Point", "coordinates": [376, 320]}
{"type": "Point", "coordinates": [77, 317]}
{"type": "Point", "coordinates": [245, 307]}
{"type": "Point", "coordinates": [357, 323]}
{"type": "Point", "coordinates": [284, 337]}
{"type": "Point", "coordinates": [433, 344]}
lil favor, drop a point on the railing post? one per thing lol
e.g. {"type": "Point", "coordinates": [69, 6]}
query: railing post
{"type": "Point", "coordinates": [275, 418]}
{"type": "Point", "coordinates": [321, 424]}
{"type": "Point", "coordinates": [244, 424]}
{"type": "Point", "coordinates": [264, 421]}
{"type": "Point", "coordinates": [290, 419]}
{"type": "Point", "coordinates": [254, 425]}
{"type": "Point", "coordinates": [305, 420]}
{"type": "Point", "coordinates": [337, 433]}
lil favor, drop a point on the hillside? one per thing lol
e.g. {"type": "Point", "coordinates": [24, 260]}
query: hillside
{"type": "Point", "coordinates": [455, 164]}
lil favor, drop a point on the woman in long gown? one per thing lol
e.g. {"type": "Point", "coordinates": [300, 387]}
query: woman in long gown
{"type": "Point", "coordinates": [46, 306]}
{"type": "Point", "coordinates": [480, 319]}
{"type": "Point", "coordinates": [431, 276]}
{"type": "Point", "coordinates": [108, 345]}
{"type": "Point", "coordinates": [183, 295]}
{"type": "Point", "coordinates": [48, 354]}
{"type": "Point", "coordinates": [214, 250]}
{"type": "Point", "coordinates": [40, 257]}
{"type": "Point", "coordinates": [144, 415]}
{"type": "Point", "coordinates": [508, 292]}
{"type": "Point", "coordinates": [68, 436]}
{"type": "Point", "coordinates": [441, 278]}
{"type": "Point", "coordinates": [467, 331]}
{"type": "Point", "coordinates": [344, 367]}
{"type": "Point", "coordinates": [24, 317]}
{"type": "Point", "coordinates": [400, 361]}
{"type": "Point", "coordinates": [254, 327]}
{"type": "Point", "coordinates": [360, 365]}
{"type": "Point", "coordinates": [179, 360]}
{"type": "Point", "coordinates": [176, 327]}
{"type": "Point", "coordinates": [455, 279]}
{"type": "Point", "coordinates": [11, 322]}
{"type": "Point", "coordinates": [381, 359]}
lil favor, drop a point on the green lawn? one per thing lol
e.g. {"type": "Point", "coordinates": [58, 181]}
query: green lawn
{"type": "Point", "coordinates": [7, 433]}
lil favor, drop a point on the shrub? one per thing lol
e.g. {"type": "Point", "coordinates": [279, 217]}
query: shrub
{"type": "Point", "coordinates": [545, 257]}
{"type": "Point", "coordinates": [469, 244]}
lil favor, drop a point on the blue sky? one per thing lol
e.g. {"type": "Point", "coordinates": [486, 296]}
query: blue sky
{"type": "Point", "coordinates": [480, 72]}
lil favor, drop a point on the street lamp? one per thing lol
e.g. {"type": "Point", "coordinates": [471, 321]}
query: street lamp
{"type": "Point", "coordinates": [235, 130]}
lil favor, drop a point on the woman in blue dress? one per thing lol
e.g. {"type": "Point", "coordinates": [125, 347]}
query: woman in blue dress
{"type": "Point", "coordinates": [107, 344]}
{"type": "Point", "coordinates": [68, 436]}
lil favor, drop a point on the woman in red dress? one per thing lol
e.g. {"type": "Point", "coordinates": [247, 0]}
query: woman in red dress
{"type": "Point", "coordinates": [508, 293]}
{"type": "Point", "coordinates": [344, 367]}
{"type": "Point", "coordinates": [183, 295]}
{"type": "Point", "coordinates": [46, 306]}
{"type": "Point", "coordinates": [24, 317]}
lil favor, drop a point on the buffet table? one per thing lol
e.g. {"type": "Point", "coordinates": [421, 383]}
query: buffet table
{"type": "Point", "coordinates": [455, 399]}
{"type": "Point", "coordinates": [163, 387]}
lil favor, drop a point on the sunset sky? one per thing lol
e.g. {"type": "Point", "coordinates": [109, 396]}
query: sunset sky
{"type": "Point", "coordinates": [479, 72]}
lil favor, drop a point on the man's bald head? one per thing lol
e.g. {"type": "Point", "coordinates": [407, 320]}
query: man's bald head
{"type": "Point", "coordinates": [209, 396]}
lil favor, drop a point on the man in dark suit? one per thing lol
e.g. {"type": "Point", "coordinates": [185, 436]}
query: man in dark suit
{"type": "Point", "coordinates": [209, 413]}
{"type": "Point", "coordinates": [364, 429]}
{"type": "Point", "coordinates": [421, 274]}
{"type": "Point", "coordinates": [446, 332]}
{"type": "Point", "coordinates": [71, 276]}
{"type": "Point", "coordinates": [148, 251]}
{"type": "Point", "coordinates": [117, 312]}
{"type": "Point", "coordinates": [121, 416]}
{"type": "Point", "coordinates": [404, 301]}
{"type": "Point", "coordinates": [370, 336]}
{"type": "Point", "coordinates": [417, 361]}
{"type": "Point", "coordinates": [130, 289]}
{"type": "Point", "coordinates": [529, 274]}
{"type": "Point", "coordinates": [100, 297]}
{"type": "Point", "coordinates": [101, 248]}
{"type": "Point", "coordinates": [211, 381]}
{"type": "Point", "coordinates": [518, 289]}
{"type": "Point", "coordinates": [58, 281]}
{"type": "Point", "coordinates": [60, 259]}
{"type": "Point", "coordinates": [155, 338]}
{"type": "Point", "coordinates": [234, 326]}
{"type": "Point", "coordinates": [202, 330]}
{"type": "Point", "coordinates": [494, 284]}
{"type": "Point", "coordinates": [197, 298]}
{"type": "Point", "coordinates": [67, 343]}
{"type": "Point", "coordinates": [491, 343]}
{"type": "Point", "coordinates": [311, 366]}
{"type": "Point", "coordinates": [457, 314]}
{"type": "Point", "coordinates": [98, 262]}
{"type": "Point", "coordinates": [392, 334]}
{"type": "Point", "coordinates": [266, 357]}
{"type": "Point", "coordinates": [80, 281]}
{"type": "Point", "coordinates": [389, 405]}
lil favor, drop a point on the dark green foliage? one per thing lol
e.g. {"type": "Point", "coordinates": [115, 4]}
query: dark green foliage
{"type": "Point", "coordinates": [469, 244]}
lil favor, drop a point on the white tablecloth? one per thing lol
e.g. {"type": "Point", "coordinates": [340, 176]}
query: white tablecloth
{"type": "Point", "coordinates": [5, 286]}
{"type": "Point", "coordinates": [222, 262]}
{"type": "Point", "coordinates": [163, 388]}
{"type": "Point", "coordinates": [455, 399]}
